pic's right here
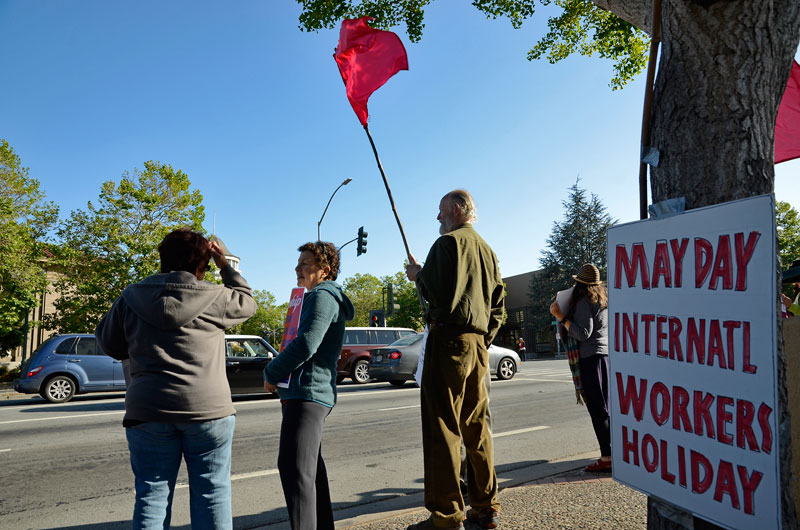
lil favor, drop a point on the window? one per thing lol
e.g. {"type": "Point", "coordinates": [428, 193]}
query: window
{"type": "Point", "coordinates": [255, 348]}
{"type": "Point", "coordinates": [66, 346]}
{"type": "Point", "coordinates": [407, 340]}
{"type": "Point", "coordinates": [247, 348]}
{"type": "Point", "coordinates": [87, 346]}
{"type": "Point", "coordinates": [356, 337]}
{"type": "Point", "coordinates": [386, 336]}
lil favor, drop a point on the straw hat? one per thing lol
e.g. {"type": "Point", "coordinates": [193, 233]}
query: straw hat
{"type": "Point", "coordinates": [792, 274]}
{"type": "Point", "coordinates": [588, 275]}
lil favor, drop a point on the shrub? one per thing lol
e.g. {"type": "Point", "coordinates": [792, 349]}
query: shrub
{"type": "Point", "coordinates": [8, 375]}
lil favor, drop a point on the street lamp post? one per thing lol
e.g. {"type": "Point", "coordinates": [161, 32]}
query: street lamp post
{"type": "Point", "coordinates": [319, 223]}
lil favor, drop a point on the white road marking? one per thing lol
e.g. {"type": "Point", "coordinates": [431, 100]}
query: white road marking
{"type": "Point", "coordinates": [268, 472]}
{"type": "Point", "coordinates": [520, 431]}
{"type": "Point", "coordinates": [242, 476]}
{"type": "Point", "coordinates": [4, 450]}
{"type": "Point", "coordinates": [63, 417]}
{"type": "Point", "coordinates": [545, 380]}
{"type": "Point", "coordinates": [400, 408]}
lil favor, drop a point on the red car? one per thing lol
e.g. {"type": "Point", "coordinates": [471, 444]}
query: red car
{"type": "Point", "coordinates": [354, 360]}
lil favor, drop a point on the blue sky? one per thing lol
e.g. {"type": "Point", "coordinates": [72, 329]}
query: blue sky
{"type": "Point", "coordinates": [254, 111]}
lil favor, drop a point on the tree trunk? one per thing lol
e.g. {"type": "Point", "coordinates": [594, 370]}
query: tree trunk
{"type": "Point", "coordinates": [723, 69]}
{"type": "Point", "coordinates": [722, 73]}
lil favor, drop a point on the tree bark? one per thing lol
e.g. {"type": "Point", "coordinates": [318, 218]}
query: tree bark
{"type": "Point", "coordinates": [636, 12]}
{"type": "Point", "coordinates": [722, 72]}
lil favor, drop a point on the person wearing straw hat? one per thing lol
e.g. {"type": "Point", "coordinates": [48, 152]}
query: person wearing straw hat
{"type": "Point", "coordinates": [587, 323]}
{"type": "Point", "coordinates": [792, 275]}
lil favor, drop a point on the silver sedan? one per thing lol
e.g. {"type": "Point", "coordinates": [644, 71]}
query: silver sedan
{"type": "Point", "coordinates": [397, 362]}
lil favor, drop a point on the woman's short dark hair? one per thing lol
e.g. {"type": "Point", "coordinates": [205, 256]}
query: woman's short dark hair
{"type": "Point", "coordinates": [183, 250]}
{"type": "Point", "coordinates": [326, 255]}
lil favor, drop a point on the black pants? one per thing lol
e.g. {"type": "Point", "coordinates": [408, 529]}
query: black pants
{"type": "Point", "coordinates": [594, 376]}
{"type": "Point", "coordinates": [303, 475]}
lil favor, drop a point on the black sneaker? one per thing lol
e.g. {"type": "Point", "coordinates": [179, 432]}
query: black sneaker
{"type": "Point", "coordinates": [486, 518]}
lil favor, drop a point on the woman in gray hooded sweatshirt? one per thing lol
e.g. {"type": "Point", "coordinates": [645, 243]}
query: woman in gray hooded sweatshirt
{"type": "Point", "coordinates": [171, 328]}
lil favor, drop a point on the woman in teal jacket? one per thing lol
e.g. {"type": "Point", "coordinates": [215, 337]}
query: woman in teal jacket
{"type": "Point", "coordinates": [310, 359]}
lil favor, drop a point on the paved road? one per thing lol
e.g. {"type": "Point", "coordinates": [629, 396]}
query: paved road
{"type": "Point", "coordinates": [66, 466]}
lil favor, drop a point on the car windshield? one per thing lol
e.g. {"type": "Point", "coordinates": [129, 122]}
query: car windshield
{"type": "Point", "coordinates": [408, 340]}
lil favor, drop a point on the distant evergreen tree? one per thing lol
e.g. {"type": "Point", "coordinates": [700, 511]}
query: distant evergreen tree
{"type": "Point", "coordinates": [579, 238]}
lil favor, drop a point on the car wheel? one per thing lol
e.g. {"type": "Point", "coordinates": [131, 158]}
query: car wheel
{"type": "Point", "coordinates": [360, 372]}
{"type": "Point", "coordinates": [506, 368]}
{"type": "Point", "coordinates": [397, 383]}
{"type": "Point", "coordinates": [58, 389]}
{"type": "Point", "coordinates": [339, 379]}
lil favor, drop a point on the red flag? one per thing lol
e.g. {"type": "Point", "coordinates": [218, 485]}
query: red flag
{"type": "Point", "coordinates": [367, 58]}
{"type": "Point", "coordinates": [787, 126]}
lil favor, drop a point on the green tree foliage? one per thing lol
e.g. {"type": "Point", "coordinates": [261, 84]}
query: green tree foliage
{"type": "Point", "coordinates": [405, 295]}
{"type": "Point", "coordinates": [114, 243]}
{"type": "Point", "coordinates": [364, 290]}
{"type": "Point", "coordinates": [584, 28]}
{"type": "Point", "coordinates": [788, 223]}
{"type": "Point", "coordinates": [25, 220]}
{"type": "Point", "coordinates": [268, 320]}
{"type": "Point", "coordinates": [367, 292]}
{"type": "Point", "coordinates": [579, 238]}
{"type": "Point", "coordinates": [579, 27]}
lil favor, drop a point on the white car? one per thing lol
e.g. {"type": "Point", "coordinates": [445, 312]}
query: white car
{"type": "Point", "coordinates": [397, 362]}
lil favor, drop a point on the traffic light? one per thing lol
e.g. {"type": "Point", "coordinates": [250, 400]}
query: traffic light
{"type": "Point", "coordinates": [377, 319]}
{"type": "Point", "coordinates": [391, 307]}
{"type": "Point", "coordinates": [362, 242]}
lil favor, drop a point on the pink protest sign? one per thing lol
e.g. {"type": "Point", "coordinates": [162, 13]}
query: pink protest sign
{"type": "Point", "coordinates": [292, 316]}
{"type": "Point", "coordinates": [290, 325]}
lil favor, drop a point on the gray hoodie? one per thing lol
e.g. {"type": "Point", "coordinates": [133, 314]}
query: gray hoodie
{"type": "Point", "coordinates": [172, 328]}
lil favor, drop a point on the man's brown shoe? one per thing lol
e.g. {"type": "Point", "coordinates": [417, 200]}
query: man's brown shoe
{"type": "Point", "coordinates": [486, 518]}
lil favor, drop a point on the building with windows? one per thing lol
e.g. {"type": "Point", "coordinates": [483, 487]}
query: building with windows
{"type": "Point", "coordinates": [520, 319]}
{"type": "Point", "coordinates": [232, 260]}
{"type": "Point", "coordinates": [36, 334]}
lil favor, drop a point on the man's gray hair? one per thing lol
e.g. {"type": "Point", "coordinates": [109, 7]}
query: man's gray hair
{"type": "Point", "coordinates": [465, 203]}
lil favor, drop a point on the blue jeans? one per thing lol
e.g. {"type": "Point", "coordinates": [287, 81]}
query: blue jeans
{"type": "Point", "coordinates": [156, 450]}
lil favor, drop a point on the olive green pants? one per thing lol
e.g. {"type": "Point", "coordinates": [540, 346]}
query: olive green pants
{"type": "Point", "coordinates": [454, 407]}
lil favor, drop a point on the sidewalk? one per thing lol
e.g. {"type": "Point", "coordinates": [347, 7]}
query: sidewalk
{"type": "Point", "coordinates": [548, 495]}
{"type": "Point", "coordinates": [572, 499]}
{"type": "Point", "coordinates": [7, 391]}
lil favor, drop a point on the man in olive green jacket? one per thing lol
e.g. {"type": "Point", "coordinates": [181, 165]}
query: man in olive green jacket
{"type": "Point", "coordinates": [462, 284]}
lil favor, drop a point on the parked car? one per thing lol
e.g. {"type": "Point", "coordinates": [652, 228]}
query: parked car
{"type": "Point", "coordinates": [397, 362]}
{"type": "Point", "coordinates": [245, 359]}
{"type": "Point", "coordinates": [70, 364]}
{"type": "Point", "coordinates": [354, 359]}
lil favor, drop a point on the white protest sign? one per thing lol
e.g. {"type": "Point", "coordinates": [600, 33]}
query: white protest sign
{"type": "Point", "coordinates": [692, 338]}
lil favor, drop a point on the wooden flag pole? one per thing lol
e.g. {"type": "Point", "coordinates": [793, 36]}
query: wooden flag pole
{"type": "Point", "coordinates": [394, 209]}
{"type": "Point", "coordinates": [648, 105]}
